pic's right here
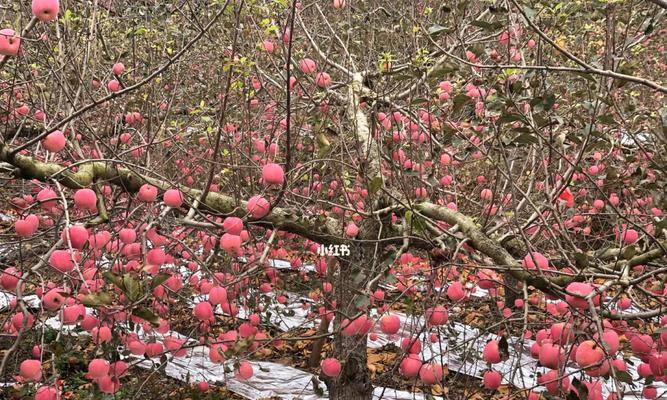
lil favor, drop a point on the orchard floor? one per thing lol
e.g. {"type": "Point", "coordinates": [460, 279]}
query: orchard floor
{"type": "Point", "coordinates": [479, 312]}
{"type": "Point", "coordinates": [140, 384]}
{"type": "Point", "coordinates": [146, 384]}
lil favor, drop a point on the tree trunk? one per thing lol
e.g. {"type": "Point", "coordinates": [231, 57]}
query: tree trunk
{"type": "Point", "coordinates": [354, 381]}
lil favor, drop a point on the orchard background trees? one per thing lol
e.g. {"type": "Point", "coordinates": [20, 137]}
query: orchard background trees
{"type": "Point", "coordinates": [174, 173]}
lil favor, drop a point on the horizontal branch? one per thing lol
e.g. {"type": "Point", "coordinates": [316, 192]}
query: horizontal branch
{"type": "Point", "coordinates": [316, 228]}
{"type": "Point", "coordinates": [492, 248]}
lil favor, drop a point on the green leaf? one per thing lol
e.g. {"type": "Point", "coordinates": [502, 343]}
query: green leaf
{"type": "Point", "coordinates": [509, 118]}
{"type": "Point", "coordinates": [504, 348]}
{"type": "Point", "coordinates": [581, 388]}
{"type": "Point", "coordinates": [375, 185]}
{"type": "Point", "coordinates": [548, 102]}
{"type": "Point", "coordinates": [586, 76]}
{"type": "Point", "coordinates": [629, 252]}
{"type": "Point", "coordinates": [358, 277]}
{"type": "Point", "coordinates": [408, 217]}
{"type": "Point", "coordinates": [113, 278]}
{"type": "Point", "coordinates": [132, 288]}
{"type": "Point", "coordinates": [607, 119]}
{"type": "Point", "coordinates": [97, 299]}
{"type": "Point", "coordinates": [435, 30]}
{"type": "Point", "coordinates": [419, 224]}
{"type": "Point", "coordinates": [581, 260]}
{"type": "Point", "coordinates": [459, 101]}
{"type": "Point", "coordinates": [488, 26]}
{"type": "Point", "coordinates": [624, 377]}
{"type": "Point", "coordinates": [530, 13]}
{"type": "Point", "coordinates": [403, 77]}
{"type": "Point", "coordinates": [159, 279]}
{"type": "Point", "coordinates": [525, 138]}
{"type": "Point", "coordinates": [362, 302]}
{"type": "Point", "coordinates": [442, 71]}
{"type": "Point", "coordinates": [147, 315]}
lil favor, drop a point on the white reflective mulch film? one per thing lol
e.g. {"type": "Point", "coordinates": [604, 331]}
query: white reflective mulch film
{"type": "Point", "coordinates": [31, 301]}
{"type": "Point", "coordinates": [268, 380]}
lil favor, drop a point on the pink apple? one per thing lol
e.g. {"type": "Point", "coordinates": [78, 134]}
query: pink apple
{"type": "Point", "coordinates": [390, 324]}
{"type": "Point", "coordinates": [118, 69]}
{"type": "Point", "coordinates": [258, 206]}
{"type": "Point", "coordinates": [410, 366]}
{"type": "Point", "coordinates": [233, 225]}
{"type": "Point", "coordinates": [641, 344]}
{"type": "Point", "coordinates": [650, 392]}
{"type": "Point", "coordinates": [10, 42]}
{"type": "Point", "coordinates": [127, 235]}
{"type": "Point", "coordinates": [273, 174]}
{"type": "Point", "coordinates": [113, 85]}
{"type": "Point", "coordinates": [147, 193]}
{"type": "Point", "coordinates": [455, 292]}
{"type": "Point", "coordinates": [352, 230]}
{"type": "Point", "coordinates": [31, 370]}
{"type": "Point", "coordinates": [323, 80]}
{"type": "Point", "coordinates": [535, 260]}
{"type": "Point", "coordinates": [98, 368]}
{"type": "Point", "coordinates": [492, 380]}
{"type": "Point", "coordinates": [629, 236]}
{"type": "Point", "coordinates": [589, 353]}
{"type": "Point", "coordinates": [307, 66]}
{"type": "Point", "coordinates": [437, 315]}
{"type": "Point", "coordinates": [61, 260]}
{"type": "Point", "coordinates": [54, 141]}
{"type": "Point", "coordinates": [27, 227]}
{"type": "Point", "coordinates": [85, 199]}
{"type": "Point", "coordinates": [624, 303]}
{"type": "Point", "coordinates": [9, 278]}
{"type": "Point", "coordinates": [554, 382]}
{"type": "Point", "coordinates": [330, 367]}
{"type": "Point", "coordinates": [46, 393]}
{"type": "Point", "coordinates": [156, 256]}
{"type": "Point", "coordinates": [338, 4]}
{"type": "Point", "coordinates": [551, 355]}
{"type": "Point", "coordinates": [204, 311]}
{"type": "Point", "coordinates": [491, 353]}
{"type": "Point", "coordinates": [47, 197]}
{"type": "Point", "coordinates": [45, 10]}
{"type": "Point", "coordinates": [154, 349]}
{"type": "Point", "coordinates": [217, 295]}
{"type": "Point", "coordinates": [486, 195]}
{"type": "Point", "coordinates": [245, 371]}
{"type": "Point", "coordinates": [562, 332]}
{"type": "Point", "coordinates": [230, 243]}
{"type": "Point", "coordinates": [78, 236]}
{"type": "Point", "coordinates": [173, 198]}
{"type": "Point", "coordinates": [579, 290]}
{"type": "Point", "coordinates": [268, 46]}
{"type": "Point", "coordinates": [431, 373]}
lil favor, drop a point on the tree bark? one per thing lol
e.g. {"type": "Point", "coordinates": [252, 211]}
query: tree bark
{"type": "Point", "coordinates": [354, 381]}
